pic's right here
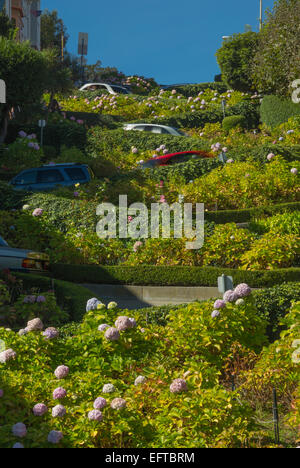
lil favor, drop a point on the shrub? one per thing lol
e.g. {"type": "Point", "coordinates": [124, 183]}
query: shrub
{"type": "Point", "coordinates": [276, 368]}
{"type": "Point", "coordinates": [233, 122]}
{"type": "Point", "coordinates": [275, 111]}
{"type": "Point", "coordinates": [71, 298]}
{"type": "Point", "coordinates": [272, 251]}
{"type": "Point", "coordinates": [260, 153]}
{"type": "Point", "coordinates": [274, 303]}
{"type": "Point", "coordinates": [22, 154]}
{"type": "Point", "coordinates": [226, 245]}
{"type": "Point", "coordinates": [235, 59]}
{"type": "Point", "coordinates": [57, 134]}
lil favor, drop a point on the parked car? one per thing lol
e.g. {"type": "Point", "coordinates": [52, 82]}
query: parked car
{"type": "Point", "coordinates": [174, 158]}
{"type": "Point", "coordinates": [110, 88]}
{"type": "Point", "coordinates": [154, 128]}
{"type": "Point", "coordinates": [26, 261]}
{"type": "Point", "coordinates": [50, 176]}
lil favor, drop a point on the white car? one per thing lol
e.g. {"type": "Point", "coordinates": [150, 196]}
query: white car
{"type": "Point", "coordinates": [25, 261]}
{"type": "Point", "coordinates": [154, 128]}
{"type": "Point", "coordinates": [111, 89]}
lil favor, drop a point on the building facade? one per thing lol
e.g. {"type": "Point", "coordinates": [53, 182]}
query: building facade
{"type": "Point", "coordinates": [26, 15]}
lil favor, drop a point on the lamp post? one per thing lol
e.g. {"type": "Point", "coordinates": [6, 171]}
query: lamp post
{"type": "Point", "coordinates": [260, 14]}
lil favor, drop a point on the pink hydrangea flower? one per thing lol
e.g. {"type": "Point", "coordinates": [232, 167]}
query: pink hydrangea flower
{"type": "Point", "coordinates": [95, 415]}
{"type": "Point", "coordinates": [178, 386]}
{"type": "Point", "coordinates": [59, 393]}
{"type": "Point", "coordinates": [294, 170]}
{"type": "Point", "coordinates": [37, 212]}
{"type": "Point", "coordinates": [61, 372]}
{"type": "Point", "coordinates": [51, 333]}
{"type": "Point", "coordinates": [19, 430]}
{"type": "Point", "coordinates": [137, 245]}
{"type": "Point", "coordinates": [122, 323]}
{"type": "Point", "coordinates": [219, 304]}
{"type": "Point", "coordinates": [54, 437]}
{"type": "Point", "coordinates": [242, 290]}
{"type": "Point", "coordinates": [99, 403]}
{"type": "Point", "coordinates": [215, 313]}
{"type": "Point", "coordinates": [112, 334]}
{"type": "Point", "coordinates": [270, 156]}
{"type": "Point", "coordinates": [35, 324]}
{"type": "Point", "coordinates": [58, 411]}
{"type": "Point", "coordinates": [230, 296]}
{"type": "Point", "coordinates": [40, 409]}
{"type": "Point", "coordinates": [118, 403]}
{"type": "Point", "coordinates": [7, 355]}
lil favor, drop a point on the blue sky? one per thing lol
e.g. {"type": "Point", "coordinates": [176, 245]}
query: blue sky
{"type": "Point", "coordinates": [170, 40]}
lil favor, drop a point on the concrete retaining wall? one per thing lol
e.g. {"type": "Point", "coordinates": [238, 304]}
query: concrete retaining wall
{"type": "Point", "coordinates": [135, 297]}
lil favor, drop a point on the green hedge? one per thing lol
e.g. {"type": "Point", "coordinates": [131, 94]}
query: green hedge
{"type": "Point", "coordinates": [70, 297]}
{"type": "Point", "coordinates": [259, 153]}
{"type": "Point", "coordinates": [66, 133]}
{"type": "Point", "coordinates": [102, 140]}
{"type": "Point", "coordinates": [233, 121]}
{"type": "Point", "coordinates": [243, 216]}
{"type": "Point", "coordinates": [273, 304]}
{"type": "Point", "coordinates": [248, 110]}
{"type": "Point", "coordinates": [275, 111]}
{"type": "Point", "coordinates": [173, 276]}
{"type": "Point", "coordinates": [60, 211]}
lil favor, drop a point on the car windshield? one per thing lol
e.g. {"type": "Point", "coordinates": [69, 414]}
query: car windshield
{"type": "Point", "coordinates": [3, 243]}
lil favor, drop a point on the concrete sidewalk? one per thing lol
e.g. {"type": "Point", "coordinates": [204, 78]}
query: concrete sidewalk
{"type": "Point", "coordinates": [137, 297]}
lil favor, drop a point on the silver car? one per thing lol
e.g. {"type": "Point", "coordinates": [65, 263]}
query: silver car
{"type": "Point", "coordinates": [22, 260]}
{"type": "Point", "coordinates": [154, 128]}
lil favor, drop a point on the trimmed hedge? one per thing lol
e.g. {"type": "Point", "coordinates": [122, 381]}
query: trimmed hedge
{"type": "Point", "coordinates": [243, 216]}
{"type": "Point", "coordinates": [275, 111]}
{"type": "Point", "coordinates": [101, 140]}
{"type": "Point", "coordinates": [233, 121]}
{"type": "Point", "coordinates": [70, 297]}
{"type": "Point", "coordinates": [259, 153]}
{"type": "Point", "coordinates": [187, 119]}
{"type": "Point", "coordinates": [61, 210]}
{"type": "Point", "coordinates": [248, 110]}
{"type": "Point", "coordinates": [169, 276]}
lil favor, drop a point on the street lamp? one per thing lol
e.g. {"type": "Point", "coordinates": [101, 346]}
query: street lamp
{"type": "Point", "coordinates": [260, 14]}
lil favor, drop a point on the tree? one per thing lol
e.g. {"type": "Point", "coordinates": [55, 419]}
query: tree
{"type": "Point", "coordinates": [276, 63]}
{"type": "Point", "coordinates": [52, 28]}
{"type": "Point", "coordinates": [24, 71]}
{"type": "Point", "coordinates": [7, 28]}
{"type": "Point", "coordinates": [235, 59]}
{"type": "Point", "coordinates": [58, 76]}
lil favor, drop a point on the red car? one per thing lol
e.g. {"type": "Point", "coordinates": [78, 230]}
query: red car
{"type": "Point", "coordinates": [174, 158]}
